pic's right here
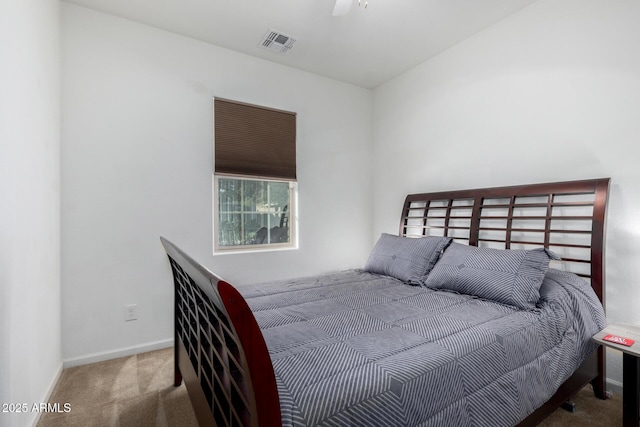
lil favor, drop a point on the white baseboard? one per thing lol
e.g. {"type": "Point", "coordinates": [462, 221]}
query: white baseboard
{"type": "Point", "coordinates": [48, 393]}
{"type": "Point", "coordinates": [614, 386]}
{"type": "Point", "coordinates": [114, 354]}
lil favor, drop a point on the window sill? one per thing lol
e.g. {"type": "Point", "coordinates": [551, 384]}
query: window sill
{"type": "Point", "coordinates": [253, 251]}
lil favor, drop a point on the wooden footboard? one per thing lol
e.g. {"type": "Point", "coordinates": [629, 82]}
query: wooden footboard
{"type": "Point", "coordinates": [219, 349]}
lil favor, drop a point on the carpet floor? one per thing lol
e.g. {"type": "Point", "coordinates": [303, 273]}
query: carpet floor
{"type": "Point", "coordinates": [137, 391]}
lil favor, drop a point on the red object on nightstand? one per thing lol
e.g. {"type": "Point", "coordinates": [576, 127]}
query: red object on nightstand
{"type": "Point", "coordinates": [619, 340]}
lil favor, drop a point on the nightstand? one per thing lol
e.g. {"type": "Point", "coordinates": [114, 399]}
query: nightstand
{"type": "Point", "coordinates": [630, 369]}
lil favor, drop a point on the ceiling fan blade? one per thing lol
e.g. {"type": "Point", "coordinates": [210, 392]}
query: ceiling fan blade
{"type": "Point", "coordinates": [342, 7]}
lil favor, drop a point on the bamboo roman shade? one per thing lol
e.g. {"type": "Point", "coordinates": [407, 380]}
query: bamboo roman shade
{"type": "Point", "coordinates": [255, 141]}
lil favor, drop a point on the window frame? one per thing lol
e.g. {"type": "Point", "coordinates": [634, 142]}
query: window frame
{"type": "Point", "coordinates": [246, 248]}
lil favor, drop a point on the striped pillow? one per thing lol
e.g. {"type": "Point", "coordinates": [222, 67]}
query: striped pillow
{"type": "Point", "coordinates": [510, 277]}
{"type": "Point", "coordinates": [406, 259]}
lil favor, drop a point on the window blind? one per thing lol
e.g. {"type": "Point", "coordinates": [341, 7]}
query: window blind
{"type": "Point", "coordinates": [252, 140]}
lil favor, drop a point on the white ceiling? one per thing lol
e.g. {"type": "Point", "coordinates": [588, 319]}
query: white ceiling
{"type": "Point", "coordinates": [366, 47]}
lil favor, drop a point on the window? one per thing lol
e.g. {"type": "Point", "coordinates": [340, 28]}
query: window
{"type": "Point", "coordinates": [254, 178]}
{"type": "Point", "coordinates": [254, 212]}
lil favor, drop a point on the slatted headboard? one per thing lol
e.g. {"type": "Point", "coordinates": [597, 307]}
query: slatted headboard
{"type": "Point", "coordinates": [566, 217]}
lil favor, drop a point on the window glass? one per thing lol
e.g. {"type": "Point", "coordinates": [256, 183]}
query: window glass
{"type": "Point", "coordinates": [253, 213]}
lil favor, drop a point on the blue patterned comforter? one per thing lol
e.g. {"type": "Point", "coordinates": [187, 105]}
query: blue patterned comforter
{"type": "Point", "coordinates": [357, 349]}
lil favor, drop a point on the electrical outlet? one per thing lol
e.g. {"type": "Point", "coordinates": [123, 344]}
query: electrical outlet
{"type": "Point", "coordinates": [130, 312]}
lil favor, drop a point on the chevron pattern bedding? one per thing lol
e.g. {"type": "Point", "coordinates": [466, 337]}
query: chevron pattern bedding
{"type": "Point", "coordinates": [359, 349]}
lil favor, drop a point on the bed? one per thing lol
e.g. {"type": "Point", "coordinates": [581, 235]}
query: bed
{"type": "Point", "coordinates": [479, 312]}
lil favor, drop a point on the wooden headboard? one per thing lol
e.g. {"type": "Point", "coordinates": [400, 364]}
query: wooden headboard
{"type": "Point", "coordinates": [565, 217]}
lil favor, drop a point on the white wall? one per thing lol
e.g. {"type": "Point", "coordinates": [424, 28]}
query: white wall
{"type": "Point", "coordinates": [137, 165]}
{"type": "Point", "coordinates": [30, 354]}
{"type": "Point", "coordinates": [550, 94]}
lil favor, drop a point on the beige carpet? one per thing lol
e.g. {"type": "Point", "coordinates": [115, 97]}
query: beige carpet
{"type": "Point", "coordinates": [134, 391]}
{"type": "Point", "coordinates": [137, 391]}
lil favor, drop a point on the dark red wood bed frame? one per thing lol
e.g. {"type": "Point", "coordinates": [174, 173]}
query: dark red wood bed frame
{"type": "Point", "coordinates": [221, 354]}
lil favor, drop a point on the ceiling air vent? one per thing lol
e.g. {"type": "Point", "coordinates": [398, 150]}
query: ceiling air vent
{"type": "Point", "coordinates": [277, 42]}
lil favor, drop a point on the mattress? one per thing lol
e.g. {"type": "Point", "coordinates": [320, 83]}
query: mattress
{"type": "Point", "coordinates": [360, 349]}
